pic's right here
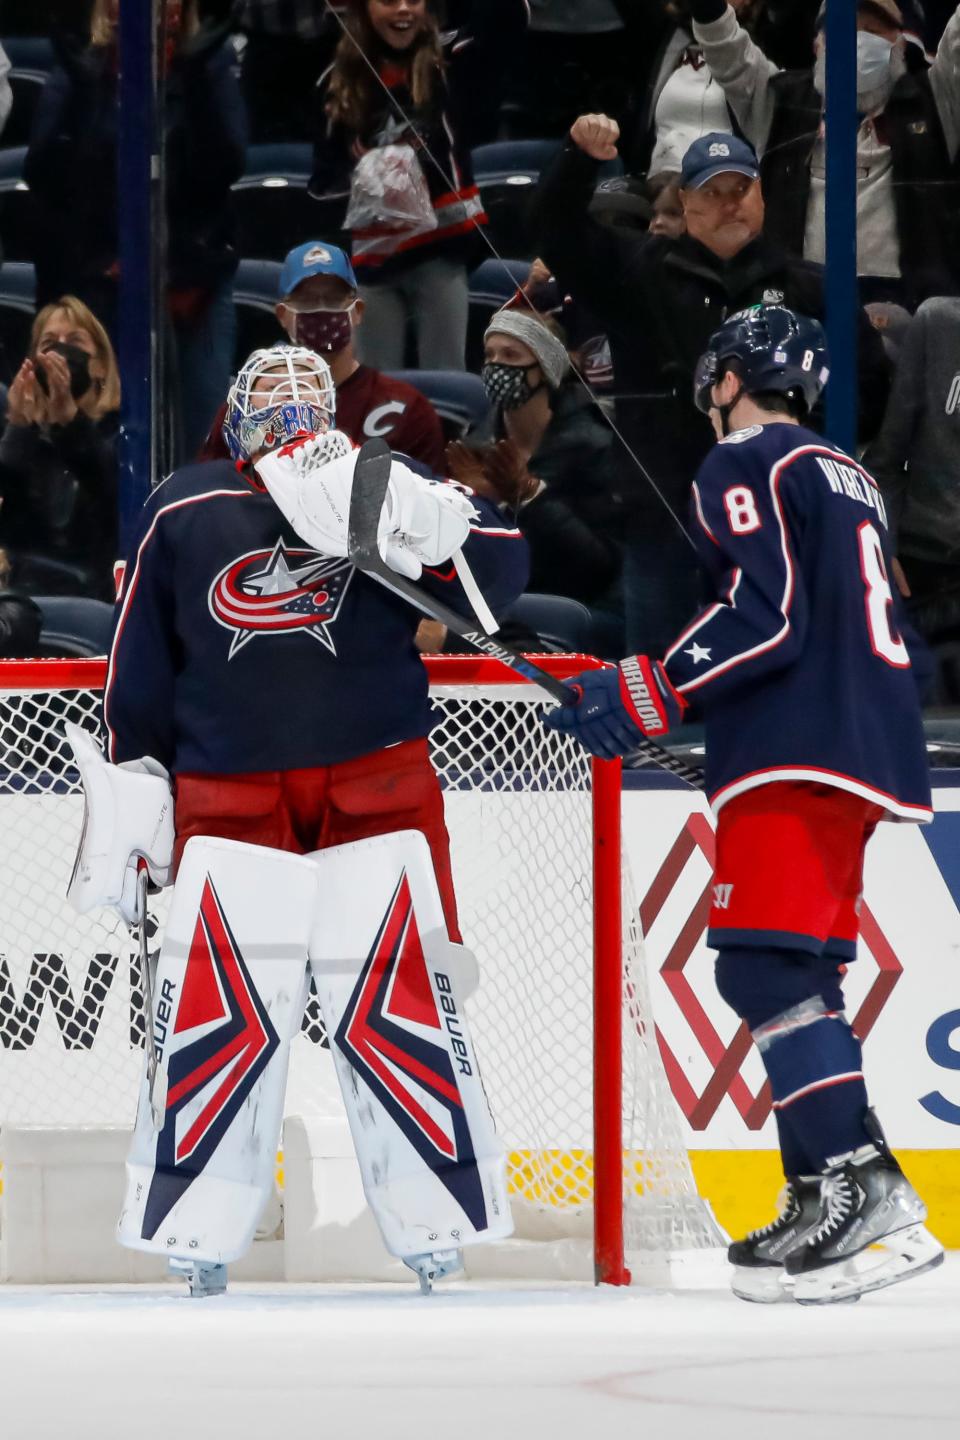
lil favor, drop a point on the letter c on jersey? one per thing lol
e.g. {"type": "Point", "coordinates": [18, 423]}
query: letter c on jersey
{"type": "Point", "coordinates": [377, 423]}
{"type": "Point", "coordinates": [941, 1052]}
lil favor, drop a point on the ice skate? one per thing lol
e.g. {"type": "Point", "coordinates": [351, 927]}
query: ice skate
{"type": "Point", "coordinates": [871, 1232]}
{"type": "Point", "coordinates": [203, 1279]}
{"type": "Point", "coordinates": [757, 1260]}
{"type": "Point", "coordinates": [434, 1266]}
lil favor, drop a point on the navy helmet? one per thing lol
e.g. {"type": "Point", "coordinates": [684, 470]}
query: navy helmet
{"type": "Point", "coordinates": [771, 348]}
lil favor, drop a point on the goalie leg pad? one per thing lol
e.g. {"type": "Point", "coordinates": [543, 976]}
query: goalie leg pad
{"type": "Point", "coordinates": [229, 994]}
{"type": "Point", "coordinates": [391, 987]}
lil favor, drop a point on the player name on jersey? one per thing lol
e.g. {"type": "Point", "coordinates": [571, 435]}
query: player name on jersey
{"type": "Point", "coordinates": [848, 480]}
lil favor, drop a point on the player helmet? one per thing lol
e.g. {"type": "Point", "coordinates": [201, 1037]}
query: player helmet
{"type": "Point", "coordinates": [770, 348]}
{"type": "Point", "coordinates": [300, 400]}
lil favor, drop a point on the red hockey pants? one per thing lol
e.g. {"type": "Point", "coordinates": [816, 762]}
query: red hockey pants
{"type": "Point", "coordinates": [303, 810]}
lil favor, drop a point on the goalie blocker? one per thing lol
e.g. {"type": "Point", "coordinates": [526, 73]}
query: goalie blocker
{"type": "Point", "coordinates": [245, 924]}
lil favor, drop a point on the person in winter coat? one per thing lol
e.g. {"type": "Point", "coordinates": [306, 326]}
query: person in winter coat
{"type": "Point", "coordinates": [544, 457]}
{"type": "Point", "coordinates": [908, 145]}
{"type": "Point", "coordinates": [659, 300]}
{"type": "Point", "coordinates": [58, 463]}
{"type": "Point", "coordinates": [399, 110]}
{"type": "Point", "coordinates": [71, 170]}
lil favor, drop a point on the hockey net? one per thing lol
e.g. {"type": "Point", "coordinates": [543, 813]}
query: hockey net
{"type": "Point", "coordinates": [596, 1155]}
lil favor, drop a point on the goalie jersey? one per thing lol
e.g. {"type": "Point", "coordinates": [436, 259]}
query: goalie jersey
{"type": "Point", "coordinates": [238, 649]}
{"type": "Point", "coordinates": [798, 665]}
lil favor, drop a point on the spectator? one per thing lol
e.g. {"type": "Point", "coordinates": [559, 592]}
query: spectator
{"type": "Point", "coordinates": [399, 140]}
{"type": "Point", "coordinates": [577, 55]}
{"type": "Point", "coordinates": [659, 299]}
{"type": "Point", "coordinates": [667, 218]}
{"type": "Point", "coordinates": [908, 190]}
{"type": "Point", "coordinates": [21, 618]}
{"type": "Point", "coordinates": [916, 457]}
{"type": "Point", "coordinates": [319, 307]}
{"type": "Point", "coordinates": [544, 458]}
{"type": "Point", "coordinates": [58, 466]}
{"type": "Point", "coordinates": [71, 165]}
{"type": "Point", "coordinates": [288, 44]}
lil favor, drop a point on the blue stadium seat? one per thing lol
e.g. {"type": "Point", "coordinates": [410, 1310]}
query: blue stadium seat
{"type": "Point", "coordinates": [74, 626]}
{"type": "Point", "coordinates": [33, 53]}
{"type": "Point", "coordinates": [569, 626]}
{"type": "Point", "coordinates": [458, 397]}
{"type": "Point", "coordinates": [273, 210]}
{"type": "Point", "coordinates": [506, 172]}
{"type": "Point", "coordinates": [255, 288]}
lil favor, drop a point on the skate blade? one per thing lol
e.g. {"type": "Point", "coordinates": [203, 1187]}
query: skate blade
{"type": "Point", "coordinates": [897, 1257]}
{"type": "Point", "coordinates": [762, 1285]}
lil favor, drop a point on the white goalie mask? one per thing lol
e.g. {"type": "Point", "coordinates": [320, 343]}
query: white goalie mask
{"type": "Point", "coordinates": [279, 393]}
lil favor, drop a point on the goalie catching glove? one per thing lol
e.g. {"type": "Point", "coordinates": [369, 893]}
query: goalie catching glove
{"type": "Point", "coordinates": [423, 522]}
{"type": "Point", "coordinates": [617, 705]}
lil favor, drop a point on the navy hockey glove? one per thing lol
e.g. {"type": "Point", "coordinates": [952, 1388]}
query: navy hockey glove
{"type": "Point", "coordinates": [619, 704]}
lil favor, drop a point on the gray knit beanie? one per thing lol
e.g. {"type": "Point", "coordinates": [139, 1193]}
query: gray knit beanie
{"type": "Point", "coordinates": [550, 352]}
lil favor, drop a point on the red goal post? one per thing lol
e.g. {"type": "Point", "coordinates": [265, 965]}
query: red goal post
{"type": "Point", "coordinates": [535, 825]}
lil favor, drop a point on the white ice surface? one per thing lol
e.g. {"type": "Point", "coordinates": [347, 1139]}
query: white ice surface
{"type": "Point", "coordinates": [478, 1361]}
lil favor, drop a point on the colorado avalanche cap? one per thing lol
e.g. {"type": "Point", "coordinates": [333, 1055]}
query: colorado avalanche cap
{"type": "Point", "coordinates": [315, 258]}
{"type": "Point", "coordinates": [717, 154]}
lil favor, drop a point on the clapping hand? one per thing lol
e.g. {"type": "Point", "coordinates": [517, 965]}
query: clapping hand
{"type": "Point", "coordinates": [26, 404]}
{"type": "Point", "coordinates": [61, 406]}
{"type": "Point", "coordinates": [506, 470]}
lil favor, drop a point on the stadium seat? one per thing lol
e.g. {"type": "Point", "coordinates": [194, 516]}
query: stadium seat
{"type": "Point", "coordinates": [568, 625]}
{"type": "Point", "coordinates": [74, 626]}
{"type": "Point", "coordinates": [17, 309]}
{"type": "Point", "coordinates": [255, 288]}
{"type": "Point", "coordinates": [274, 212]}
{"type": "Point", "coordinates": [16, 233]}
{"type": "Point", "coordinates": [505, 172]}
{"type": "Point", "coordinates": [458, 397]}
{"type": "Point", "coordinates": [491, 285]}
{"type": "Point", "coordinates": [31, 59]}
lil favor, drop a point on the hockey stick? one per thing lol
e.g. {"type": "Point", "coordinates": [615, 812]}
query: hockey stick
{"type": "Point", "coordinates": [156, 1078]}
{"type": "Point", "coordinates": [370, 479]}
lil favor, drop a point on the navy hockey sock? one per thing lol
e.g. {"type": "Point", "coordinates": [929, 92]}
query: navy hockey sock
{"type": "Point", "coordinates": [815, 1065]}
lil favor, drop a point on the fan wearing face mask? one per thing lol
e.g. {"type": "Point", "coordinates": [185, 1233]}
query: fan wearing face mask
{"type": "Point", "coordinates": [908, 183]}
{"type": "Point", "coordinates": [319, 307]}
{"type": "Point", "coordinates": [543, 456]}
{"type": "Point", "coordinates": [58, 463]}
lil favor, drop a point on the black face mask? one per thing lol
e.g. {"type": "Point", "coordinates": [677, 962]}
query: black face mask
{"type": "Point", "coordinates": [78, 363]}
{"type": "Point", "coordinates": [507, 385]}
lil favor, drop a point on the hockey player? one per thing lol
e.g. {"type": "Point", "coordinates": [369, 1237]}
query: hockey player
{"type": "Point", "coordinates": [281, 689]}
{"type": "Point", "coordinates": [813, 736]}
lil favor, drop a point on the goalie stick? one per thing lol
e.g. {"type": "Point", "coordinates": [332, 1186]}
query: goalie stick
{"type": "Point", "coordinates": [156, 1078]}
{"type": "Point", "coordinates": [370, 479]}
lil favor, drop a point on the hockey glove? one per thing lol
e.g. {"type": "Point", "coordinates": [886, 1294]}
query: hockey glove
{"type": "Point", "coordinates": [619, 704]}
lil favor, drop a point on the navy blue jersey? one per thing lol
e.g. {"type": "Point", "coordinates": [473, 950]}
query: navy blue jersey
{"type": "Point", "coordinates": [238, 649]}
{"type": "Point", "coordinates": [798, 665]}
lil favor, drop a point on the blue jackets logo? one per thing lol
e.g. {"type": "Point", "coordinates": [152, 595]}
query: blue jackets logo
{"type": "Point", "coordinates": [282, 591]}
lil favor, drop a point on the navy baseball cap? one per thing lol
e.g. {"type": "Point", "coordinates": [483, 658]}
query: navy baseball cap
{"type": "Point", "coordinates": [315, 258]}
{"type": "Point", "coordinates": [717, 154]}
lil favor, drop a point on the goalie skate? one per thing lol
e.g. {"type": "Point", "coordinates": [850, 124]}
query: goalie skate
{"type": "Point", "coordinates": [757, 1260]}
{"type": "Point", "coordinates": [871, 1233]}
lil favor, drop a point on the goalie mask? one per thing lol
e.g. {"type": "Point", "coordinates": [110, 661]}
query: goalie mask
{"type": "Point", "coordinates": [279, 393]}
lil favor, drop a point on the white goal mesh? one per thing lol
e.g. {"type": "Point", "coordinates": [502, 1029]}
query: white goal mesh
{"type": "Point", "coordinates": [518, 803]}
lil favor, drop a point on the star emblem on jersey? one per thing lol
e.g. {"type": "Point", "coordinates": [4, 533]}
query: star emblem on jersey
{"type": "Point", "coordinates": [219, 1043]}
{"type": "Point", "coordinates": [392, 1035]}
{"type": "Point", "coordinates": [697, 653]}
{"type": "Point", "coordinates": [283, 591]}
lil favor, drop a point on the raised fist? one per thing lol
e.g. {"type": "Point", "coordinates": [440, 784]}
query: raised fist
{"type": "Point", "coordinates": [596, 135]}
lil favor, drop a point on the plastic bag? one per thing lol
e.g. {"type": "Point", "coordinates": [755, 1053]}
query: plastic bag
{"type": "Point", "coordinates": [390, 189]}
